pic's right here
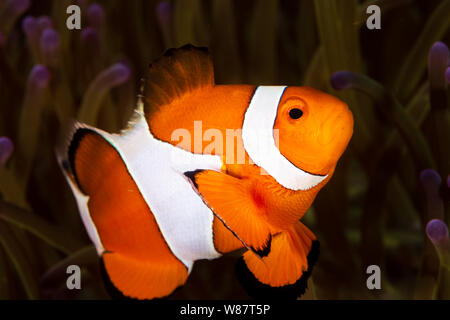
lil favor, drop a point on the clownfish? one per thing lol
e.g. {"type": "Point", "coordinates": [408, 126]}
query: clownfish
{"type": "Point", "coordinates": [153, 202]}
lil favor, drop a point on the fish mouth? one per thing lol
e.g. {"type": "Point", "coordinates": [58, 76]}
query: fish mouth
{"type": "Point", "coordinates": [313, 168]}
{"type": "Point", "coordinates": [320, 173]}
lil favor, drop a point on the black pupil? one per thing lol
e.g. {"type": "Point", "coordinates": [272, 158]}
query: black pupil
{"type": "Point", "coordinates": [295, 113]}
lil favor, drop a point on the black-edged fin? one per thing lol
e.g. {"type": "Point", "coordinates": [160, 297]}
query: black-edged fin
{"type": "Point", "coordinates": [116, 294]}
{"type": "Point", "coordinates": [191, 176]}
{"type": "Point", "coordinates": [177, 72]}
{"type": "Point", "coordinates": [264, 246]}
{"type": "Point", "coordinates": [113, 292]}
{"type": "Point", "coordinates": [259, 290]}
{"type": "Point", "coordinates": [232, 202]}
{"type": "Point", "coordinates": [284, 272]}
{"type": "Point", "coordinates": [265, 250]}
{"type": "Point", "coordinates": [68, 144]}
{"type": "Point", "coordinates": [77, 137]}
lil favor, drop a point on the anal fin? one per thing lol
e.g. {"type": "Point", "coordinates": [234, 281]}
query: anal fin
{"type": "Point", "coordinates": [283, 274]}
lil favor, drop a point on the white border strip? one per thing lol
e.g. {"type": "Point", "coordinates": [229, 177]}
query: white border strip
{"type": "Point", "coordinates": [82, 202]}
{"type": "Point", "coordinates": [259, 142]}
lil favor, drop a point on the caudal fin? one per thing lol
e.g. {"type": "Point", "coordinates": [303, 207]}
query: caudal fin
{"type": "Point", "coordinates": [284, 272]}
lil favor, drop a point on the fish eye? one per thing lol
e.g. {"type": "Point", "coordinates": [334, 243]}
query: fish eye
{"type": "Point", "coordinates": [295, 113]}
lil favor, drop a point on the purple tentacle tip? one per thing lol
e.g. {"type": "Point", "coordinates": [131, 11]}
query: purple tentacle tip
{"type": "Point", "coordinates": [439, 50]}
{"type": "Point", "coordinates": [44, 22]}
{"type": "Point", "coordinates": [430, 178]}
{"type": "Point", "coordinates": [447, 74]}
{"type": "Point", "coordinates": [39, 76]}
{"type": "Point", "coordinates": [164, 11]}
{"type": "Point", "coordinates": [438, 61]}
{"type": "Point", "coordinates": [437, 231]}
{"type": "Point", "coordinates": [49, 40]}
{"type": "Point", "coordinates": [96, 14]}
{"type": "Point", "coordinates": [29, 24]}
{"type": "Point", "coordinates": [6, 149]}
{"type": "Point", "coordinates": [120, 73]}
{"type": "Point", "coordinates": [342, 80]}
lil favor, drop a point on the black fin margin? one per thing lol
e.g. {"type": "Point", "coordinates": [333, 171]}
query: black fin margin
{"type": "Point", "coordinates": [113, 292]}
{"type": "Point", "coordinates": [191, 176]}
{"type": "Point", "coordinates": [258, 290]}
{"type": "Point", "coordinates": [173, 51]}
{"type": "Point", "coordinates": [187, 47]}
{"type": "Point", "coordinates": [264, 252]}
{"type": "Point", "coordinates": [74, 144]}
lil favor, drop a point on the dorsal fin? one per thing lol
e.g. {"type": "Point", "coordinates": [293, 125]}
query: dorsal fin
{"type": "Point", "coordinates": [178, 72]}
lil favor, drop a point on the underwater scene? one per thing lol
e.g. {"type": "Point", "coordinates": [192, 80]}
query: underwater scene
{"type": "Point", "coordinates": [322, 169]}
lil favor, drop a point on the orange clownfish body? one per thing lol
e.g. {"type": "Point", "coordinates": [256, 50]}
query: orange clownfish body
{"type": "Point", "coordinates": [205, 169]}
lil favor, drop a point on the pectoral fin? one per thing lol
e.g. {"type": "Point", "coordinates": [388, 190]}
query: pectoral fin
{"type": "Point", "coordinates": [232, 201]}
